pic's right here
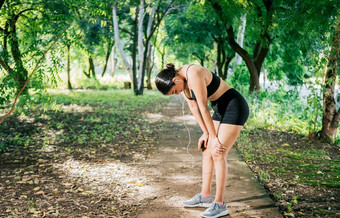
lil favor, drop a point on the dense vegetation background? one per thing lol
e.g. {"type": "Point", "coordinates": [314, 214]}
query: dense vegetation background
{"type": "Point", "coordinates": [282, 55]}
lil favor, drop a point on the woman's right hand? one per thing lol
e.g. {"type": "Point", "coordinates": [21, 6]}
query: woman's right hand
{"type": "Point", "coordinates": [203, 142]}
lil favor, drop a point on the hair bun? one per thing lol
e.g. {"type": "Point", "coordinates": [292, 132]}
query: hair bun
{"type": "Point", "coordinates": [170, 66]}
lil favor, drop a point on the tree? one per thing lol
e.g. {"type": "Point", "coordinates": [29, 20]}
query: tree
{"type": "Point", "coordinates": [157, 15]}
{"type": "Point", "coordinates": [130, 68]}
{"type": "Point", "coordinates": [262, 12]}
{"type": "Point", "coordinates": [307, 31]}
{"type": "Point", "coordinates": [37, 48]}
{"type": "Point", "coordinates": [69, 38]}
{"type": "Point", "coordinates": [141, 43]}
{"type": "Point", "coordinates": [193, 31]}
{"type": "Point", "coordinates": [34, 21]}
{"type": "Point", "coordinates": [330, 116]}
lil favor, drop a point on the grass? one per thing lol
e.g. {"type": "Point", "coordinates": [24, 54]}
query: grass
{"type": "Point", "coordinates": [293, 168]}
{"type": "Point", "coordinates": [81, 117]}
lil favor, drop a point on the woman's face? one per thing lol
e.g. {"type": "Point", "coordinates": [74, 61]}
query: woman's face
{"type": "Point", "coordinates": [178, 87]}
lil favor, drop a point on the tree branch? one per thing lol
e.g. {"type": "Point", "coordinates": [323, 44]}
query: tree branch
{"type": "Point", "coordinates": [29, 78]}
{"type": "Point", "coordinates": [9, 70]}
{"type": "Point", "coordinates": [16, 17]}
{"type": "Point", "coordinates": [159, 19]}
{"type": "Point", "coordinates": [126, 31]}
{"type": "Point", "coordinates": [5, 65]}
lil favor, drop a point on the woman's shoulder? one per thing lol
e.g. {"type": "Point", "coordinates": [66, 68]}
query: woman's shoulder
{"type": "Point", "coordinates": [197, 69]}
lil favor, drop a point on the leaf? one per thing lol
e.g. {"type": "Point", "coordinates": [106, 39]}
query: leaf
{"type": "Point", "coordinates": [40, 193]}
{"type": "Point", "coordinates": [140, 184]}
{"type": "Point", "coordinates": [42, 161]}
{"type": "Point", "coordinates": [36, 188]}
{"type": "Point", "coordinates": [23, 197]}
{"type": "Point", "coordinates": [327, 158]}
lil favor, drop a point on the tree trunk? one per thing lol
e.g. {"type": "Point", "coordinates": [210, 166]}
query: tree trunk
{"type": "Point", "coordinates": [68, 67]}
{"type": "Point", "coordinates": [226, 66]}
{"type": "Point", "coordinates": [163, 57]}
{"type": "Point", "coordinates": [254, 78]}
{"type": "Point", "coordinates": [148, 58]}
{"type": "Point", "coordinates": [261, 52]}
{"type": "Point", "coordinates": [21, 73]}
{"type": "Point", "coordinates": [220, 59]}
{"type": "Point", "coordinates": [134, 53]}
{"type": "Point", "coordinates": [202, 61]}
{"type": "Point", "coordinates": [330, 117]}
{"type": "Point", "coordinates": [149, 69]}
{"type": "Point", "coordinates": [141, 88]}
{"type": "Point", "coordinates": [113, 63]}
{"type": "Point", "coordinates": [118, 42]}
{"type": "Point", "coordinates": [91, 67]}
{"type": "Point", "coordinates": [108, 52]}
{"type": "Point", "coordinates": [88, 75]}
{"type": "Point", "coordinates": [240, 37]}
{"type": "Point", "coordinates": [5, 49]}
{"type": "Point", "coordinates": [140, 43]}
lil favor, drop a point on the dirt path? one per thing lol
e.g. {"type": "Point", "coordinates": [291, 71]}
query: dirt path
{"type": "Point", "coordinates": [174, 177]}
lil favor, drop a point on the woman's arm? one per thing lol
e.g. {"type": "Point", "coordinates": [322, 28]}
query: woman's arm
{"type": "Point", "coordinates": [198, 85]}
{"type": "Point", "coordinates": [196, 112]}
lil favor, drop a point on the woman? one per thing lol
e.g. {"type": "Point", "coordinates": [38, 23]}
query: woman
{"type": "Point", "coordinates": [220, 131]}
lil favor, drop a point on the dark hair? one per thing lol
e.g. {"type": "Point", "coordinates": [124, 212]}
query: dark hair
{"type": "Point", "coordinates": [164, 78]}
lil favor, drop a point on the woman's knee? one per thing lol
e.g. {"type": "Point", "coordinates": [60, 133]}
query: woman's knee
{"type": "Point", "coordinates": [219, 157]}
{"type": "Point", "coordinates": [206, 154]}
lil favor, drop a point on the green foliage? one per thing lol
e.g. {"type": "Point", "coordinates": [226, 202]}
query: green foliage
{"type": "Point", "coordinates": [284, 110]}
{"type": "Point", "coordinates": [191, 32]}
{"type": "Point", "coordinates": [300, 38]}
{"type": "Point", "coordinates": [240, 77]}
{"type": "Point", "coordinates": [314, 104]}
{"type": "Point", "coordinates": [33, 28]}
{"type": "Point", "coordinates": [264, 176]}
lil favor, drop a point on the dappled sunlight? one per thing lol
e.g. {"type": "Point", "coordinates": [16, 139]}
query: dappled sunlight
{"type": "Point", "coordinates": [113, 179]}
{"type": "Point", "coordinates": [24, 118]}
{"type": "Point", "coordinates": [154, 117]}
{"type": "Point", "coordinates": [78, 108]}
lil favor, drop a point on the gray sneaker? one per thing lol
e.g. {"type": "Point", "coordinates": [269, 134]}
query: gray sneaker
{"type": "Point", "coordinates": [215, 210]}
{"type": "Point", "coordinates": [198, 201]}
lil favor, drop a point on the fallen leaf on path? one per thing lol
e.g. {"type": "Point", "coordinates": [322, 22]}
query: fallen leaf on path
{"type": "Point", "coordinates": [140, 184]}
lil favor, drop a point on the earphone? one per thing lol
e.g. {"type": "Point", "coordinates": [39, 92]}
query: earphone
{"type": "Point", "coordinates": [189, 135]}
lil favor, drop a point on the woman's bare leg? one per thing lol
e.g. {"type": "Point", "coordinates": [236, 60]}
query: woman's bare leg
{"type": "Point", "coordinates": [208, 167]}
{"type": "Point", "coordinates": [227, 136]}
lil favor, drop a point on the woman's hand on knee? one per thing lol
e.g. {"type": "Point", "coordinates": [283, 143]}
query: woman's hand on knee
{"type": "Point", "coordinates": [218, 148]}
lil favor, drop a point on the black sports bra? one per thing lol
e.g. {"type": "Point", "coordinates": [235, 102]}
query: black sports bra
{"type": "Point", "coordinates": [211, 88]}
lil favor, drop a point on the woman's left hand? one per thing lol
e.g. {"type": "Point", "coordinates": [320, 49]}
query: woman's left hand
{"type": "Point", "coordinates": [217, 146]}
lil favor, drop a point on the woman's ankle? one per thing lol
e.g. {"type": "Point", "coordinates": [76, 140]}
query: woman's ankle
{"type": "Point", "coordinates": [205, 195]}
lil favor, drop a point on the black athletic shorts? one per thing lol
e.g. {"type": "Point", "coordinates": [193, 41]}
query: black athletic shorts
{"type": "Point", "coordinates": [231, 108]}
